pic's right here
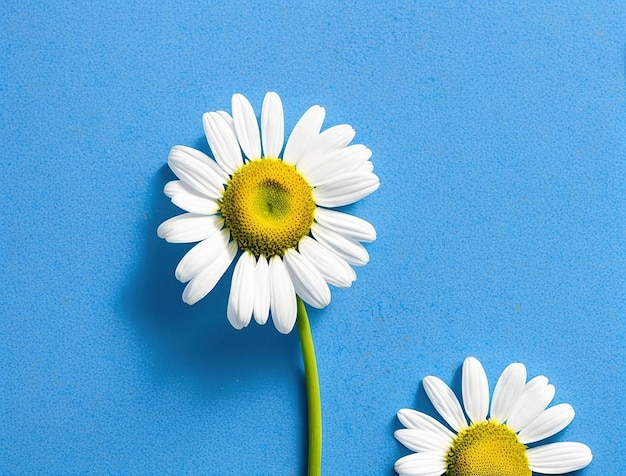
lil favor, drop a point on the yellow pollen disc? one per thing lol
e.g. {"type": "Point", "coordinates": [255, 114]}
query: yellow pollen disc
{"type": "Point", "coordinates": [487, 448]}
{"type": "Point", "coordinates": [268, 207]}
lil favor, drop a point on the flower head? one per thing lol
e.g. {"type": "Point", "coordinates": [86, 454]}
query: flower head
{"type": "Point", "coordinates": [494, 446]}
{"type": "Point", "coordinates": [277, 210]}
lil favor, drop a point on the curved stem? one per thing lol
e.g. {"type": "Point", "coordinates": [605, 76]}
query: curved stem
{"type": "Point", "coordinates": [312, 391]}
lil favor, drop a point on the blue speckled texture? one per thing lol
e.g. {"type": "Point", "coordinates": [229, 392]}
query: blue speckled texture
{"type": "Point", "coordinates": [498, 136]}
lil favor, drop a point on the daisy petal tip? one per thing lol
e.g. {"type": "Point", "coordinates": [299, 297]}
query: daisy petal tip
{"type": "Point", "coordinates": [284, 327]}
{"type": "Point", "coordinates": [283, 303]}
{"type": "Point", "coordinates": [189, 298]}
{"type": "Point", "coordinates": [400, 413]}
{"type": "Point", "coordinates": [179, 274]}
{"type": "Point", "coordinates": [518, 369]}
{"type": "Point", "coordinates": [261, 319]}
{"type": "Point", "coordinates": [286, 324]}
{"type": "Point", "coordinates": [421, 464]}
{"type": "Point", "coordinates": [237, 321]}
{"type": "Point", "coordinates": [177, 149]}
{"type": "Point", "coordinates": [170, 188]}
{"type": "Point", "coordinates": [236, 325]}
{"type": "Point", "coordinates": [160, 232]}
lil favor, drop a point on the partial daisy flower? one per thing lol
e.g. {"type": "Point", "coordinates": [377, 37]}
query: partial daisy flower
{"type": "Point", "coordinates": [489, 446]}
{"type": "Point", "coordinates": [276, 209]}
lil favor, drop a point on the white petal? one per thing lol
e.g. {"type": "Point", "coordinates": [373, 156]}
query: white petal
{"type": "Point", "coordinates": [341, 162]}
{"type": "Point", "coordinates": [193, 204]}
{"type": "Point", "coordinates": [175, 187]}
{"type": "Point", "coordinates": [246, 126]}
{"type": "Point", "coordinates": [195, 154]}
{"type": "Point", "coordinates": [305, 130]}
{"type": "Point", "coordinates": [188, 228]}
{"type": "Point", "coordinates": [475, 389]}
{"type": "Point", "coordinates": [229, 120]}
{"type": "Point", "coordinates": [332, 173]}
{"type": "Point", "coordinates": [445, 402]}
{"type": "Point", "coordinates": [421, 464]}
{"type": "Point", "coordinates": [332, 139]}
{"type": "Point", "coordinates": [345, 224]}
{"type": "Point", "coordinates": [351, 251]}
{"type": "Point", "coordinates": [272, 125]}
{"type": "Point", "coordinates": [507, 391]}
{"type": "Point", "coordinates": [185, 197]}
{"type": "Point", "coordinates": [308, 282]}
{"type": "Point", "coordinates": [241, 298]}
{"type": "Point", "coordinates": [535, 397]}
{"type": "Point", "coordinates": [336, 270]}
{"type": "Point", "coordinates": [420, 421]}
{"type": "Point", "coordinates": [282, 296]}
{"type": "Point", "coordinates": [355, 153]}
{"type": "Point", "coordinates": [422, 441]}
{"type": "Point", "coordinates": [346, 189]}
{"type": "Point", "coordinates": [178, 187]}
{"type": "Point", "coordinates": [548, 423]}
{"type": "Point", "coordinates": [261, 291]}
{"type": "Point", "coordinates": [559, 458]}
{"type": "Point", "coordinates": [222, 141]}
{"type": "Point", "coordinates": [201, 256]}
{"type": "Point", "coordinates": [323, 145]}
{"type": "Point", "coordinates": [203, 283]}
{"type": "Point", "coordinates": [197, 170]}
{"type": "Point", "coordinates": [365, 167]}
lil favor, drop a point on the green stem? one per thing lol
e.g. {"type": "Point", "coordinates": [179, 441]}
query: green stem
{"type": "Point", "coordinates": [312, 391]}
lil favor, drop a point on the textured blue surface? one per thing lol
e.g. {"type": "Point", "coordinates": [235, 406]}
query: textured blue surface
{"type": "Point", "coordinates": [498, 136]}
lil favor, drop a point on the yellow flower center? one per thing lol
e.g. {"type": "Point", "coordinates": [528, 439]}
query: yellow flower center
{"type": "Point", "coordinates": [268, 207]}
{"type": "Point", "coordinates": [487, 449]}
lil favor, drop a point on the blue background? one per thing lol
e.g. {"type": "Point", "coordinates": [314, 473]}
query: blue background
{"type": "Point", "coordinates": [498, 137]}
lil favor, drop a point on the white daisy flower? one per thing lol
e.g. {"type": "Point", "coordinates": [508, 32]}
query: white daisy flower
{"type": "Point", "coordinates": [278, 210]}
{"type": "Point", "coordinates": [489, 446]}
